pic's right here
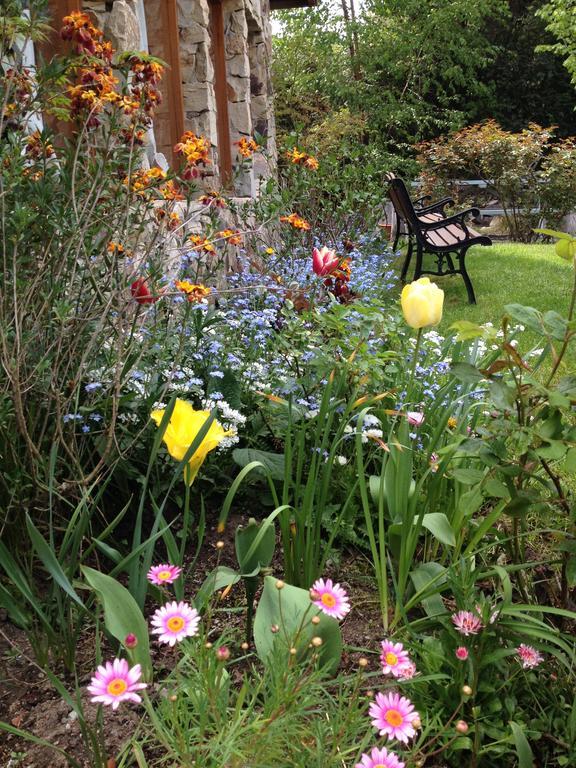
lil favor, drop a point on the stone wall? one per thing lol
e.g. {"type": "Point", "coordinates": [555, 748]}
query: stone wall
{"type": "Point", "coordinates": [248, 42]}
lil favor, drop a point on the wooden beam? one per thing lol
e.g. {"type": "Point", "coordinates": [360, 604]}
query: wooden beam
{"type": "Point", "coordinates": [57, 9]}
{"type": "Point", "coordinates": [282, 5]}
{"type": "Point", "coordinates": [163, 42]}
{"type": "Point", "coordinates": [221, 92]}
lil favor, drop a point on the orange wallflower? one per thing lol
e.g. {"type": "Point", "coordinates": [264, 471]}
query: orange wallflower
{"type": "Point", "coordinates": [141, 181]}
{"type": "Point", "coordinates": [172, 220]}
{"type": "Point", "coordinates": [231, 236]}
{"type": "Point", "coordinates": [246, 147]}
{"type": "Point", "coordinates": [194, 149]}
{"type": "Point", "coordinates": [193, 291]}
{"type": "Point", "coordinates": [37, 148]}
{"type": "Point", "coordinates": [201, 244]}
{"type": "Point", "coordinates": [170, 191]}
{"type": "Point", "coordinates": [296, 221]}
{"type": "Point", "coordinates": [116, 248]}
{"type": "Point", "coordinates": [297, 157]}
{"type": "Point", "coordinates": [213, 198]}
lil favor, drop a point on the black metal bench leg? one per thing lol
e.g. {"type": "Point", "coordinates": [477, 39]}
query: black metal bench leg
{"type": "Point", "coordinates": [407, 260]}
{"type": "Point", "coordinates": [466, 276]}
{"type": "Point", "coordinates": [418, 271]}
{"type": "Point", "coordinates": [397, 234]}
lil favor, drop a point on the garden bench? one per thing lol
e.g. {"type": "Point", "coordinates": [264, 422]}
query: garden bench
{"type": "Point", "coordinates": [426, 210]}
{"type": "Point", "coordinates": [436, 234]}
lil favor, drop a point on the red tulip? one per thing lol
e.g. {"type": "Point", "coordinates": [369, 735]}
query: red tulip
{"type": "Point", "coordinates": [324, 261]}
{"type": "Point", "coordinates": [141, 292]}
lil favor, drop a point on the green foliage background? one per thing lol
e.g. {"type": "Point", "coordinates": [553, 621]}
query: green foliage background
{"type": "Point", "coordinates": [400, 71]}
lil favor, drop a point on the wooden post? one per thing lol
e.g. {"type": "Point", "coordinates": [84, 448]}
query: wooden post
{"type": "Point", "coordinates": [57, 10]}
{"type": "Point", "coordinates": [221, 92]}
{"type": "Point", "coordinates": [163, 42]}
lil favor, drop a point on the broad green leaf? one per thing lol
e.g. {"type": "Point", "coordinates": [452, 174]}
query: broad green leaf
{"type": "Point", "coordinates": [122, 616]}
{"type": "Point", "coordinates": [272, 462]}
{"type": "Point", "coordinates": [466, 330]}
{"type": "Point", "coordinates": [468, 475]}
{"type": "Point", "coordinates": [555, 324]}
{"type": "Point", "coordinates": [523, 749]}
{"type": "Point", "coordinates": [467, 373]}
{"type": "Point", "coordinates": [439, 526]}
{"type": "Point", "coordinates": [219, 578]}
{"type": "Point", "coordinates": [496, 488]}
{"type": "Point", "coordinates": [527, 316]}
{"type": "Point", "coordinates": [570, 464]}
{"type": "Point", "coordinates": [428, 579]}
{"type": "Point", "coordinates": [291, 610]}
{"type": "Point", "coordinates": [255, 544]}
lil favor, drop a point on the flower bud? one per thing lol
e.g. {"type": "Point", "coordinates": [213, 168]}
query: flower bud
{"type": "Point", "coordinates": [223, 653]}
{"type": "Point", "coordinates": [274, 628]}
{"type": "Point", "coordinates": [245, 646]}
{"type": "Point", "coordinates": [219, 545]}
{"type": "Point", "coordinates": [315, 619]}
{"type": "Point", "coordinates": [466, 690]}
{"type": "Point", "coordinates": [280, 584]}
{"type": "Point", "coordinates": [130, 641]}
{"type": "Point", "coordinates": [362, 662]}
{"type": "Point", "coordinates": [208, 645]}
{"type": "Point", "coordinates": [293, 651]}
{"type": "Point", "coordinates": [416, 723]}
{"type": "Point", "coordinates": [316, 642]}
{"type": "Point", "coordinates": [462, 726]}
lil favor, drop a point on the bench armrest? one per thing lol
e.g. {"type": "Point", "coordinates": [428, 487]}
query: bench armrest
{"type": "Point", "coordinates": [458, 218]}
{"type": "Point", "coordinates": [438, 205]}
{"type": "Point", "coordinates": [420, 200]}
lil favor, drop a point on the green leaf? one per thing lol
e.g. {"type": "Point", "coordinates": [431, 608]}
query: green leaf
{"type": "Point", "coordinates": [553, 233]}
{"type": "Point", "coordinates": [553, 451]}
{"type": "Point", "coordinates": [291, 610]}
{"type": "Point", "coordinates": [427, 579]}
{"type": "Point", "coordinates": [555, 325]}
{"type": "Point", "coordinates": [523, 749]}
{"type": "Point", "coordinates": [439, 526]}
{"type": "Point", "coordinates": [466, 373]}
{"type": "Point", "coordinates": [255, 545]}
{"type": "Point", "coordinates": [570, 464]}
{"type": "Point", "coordinates": [466, 330]}
{"type": "Point", "coordinates": [527, 316]}
{"type": "Point", "coordinates": [272, 462]}
{"type": "Point", "coordinates": [468, 475]}
{"type": "Point", "coordinates": [219, 578]}
{"type": "Point", "coordinates": [50, 562]}
{"type": "Point", "coordinates": [122, 616]}
{"type": "Point", "coordinates": [496, 488]}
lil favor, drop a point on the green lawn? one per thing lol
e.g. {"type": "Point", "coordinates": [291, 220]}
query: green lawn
{"type": "Point", "coordinates": [508, 273]}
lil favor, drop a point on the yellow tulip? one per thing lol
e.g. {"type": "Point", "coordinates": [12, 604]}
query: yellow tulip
{"type": "Point", "coordinates": [422, 303]}
{"type": "Point", "coordinates": [181, 431]}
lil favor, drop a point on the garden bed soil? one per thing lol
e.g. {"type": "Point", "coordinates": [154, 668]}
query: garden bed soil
{"type": "Point", "coordinates": [28, 700]}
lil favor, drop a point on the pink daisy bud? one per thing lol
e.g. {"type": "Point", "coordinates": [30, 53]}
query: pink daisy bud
{"type": "Point", "coordinates": [415, 418]}
{"type": "Point", "coordinates": [163, 574]}
{"type": "Point", "coordinates": [394, 716]}
{"type": "Point", "coordinates": [330, 598]}
{"type": "Point", "coordinates": [461, 653]}
{"type": "Point", "coordinates": [462, 726]}
{"type": "Point", "coordinates": [380, 758]}
{"type": "Point", "coordinates": [467, 623]}
{"type": "Point", "coordinates": [116, 682]}
{"type": "Point", "coordinates": [223, 653]}
{"type": "Point", "coordinates": [529, 656]}
{"type": "Point", "coordinates": [408, 672]}
{"type": "Point", "coordinates": [130, 641]}
{"type": "Point", "coordinates": [175, 621]}
{"type": "Point", "coordinates": [394, 658]}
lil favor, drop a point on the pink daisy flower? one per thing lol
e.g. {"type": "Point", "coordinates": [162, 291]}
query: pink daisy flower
{"type": "Point", "coordinates": [394, 658]}
{"type": "Point", "coordinates": [415, 418]}
{"type": "Point", "coordinates": [529, 656]}
{"type": "Point", "coordinates": [116, 682]}
{"type": "Point", "coordinates": [163, 574]}
{"type": "Point", "coordinates": [394, 716]}
{"type": "Point", "coordinates": [380, 758]}
{"type": "Point", "coordinates": [461, 653]}
{"type": "Point", "coordinates": [330, 598]}
{"type": "Point", "coordinates": [175, 621]}
{"type": "Point", "coordinates": [467, 623]}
